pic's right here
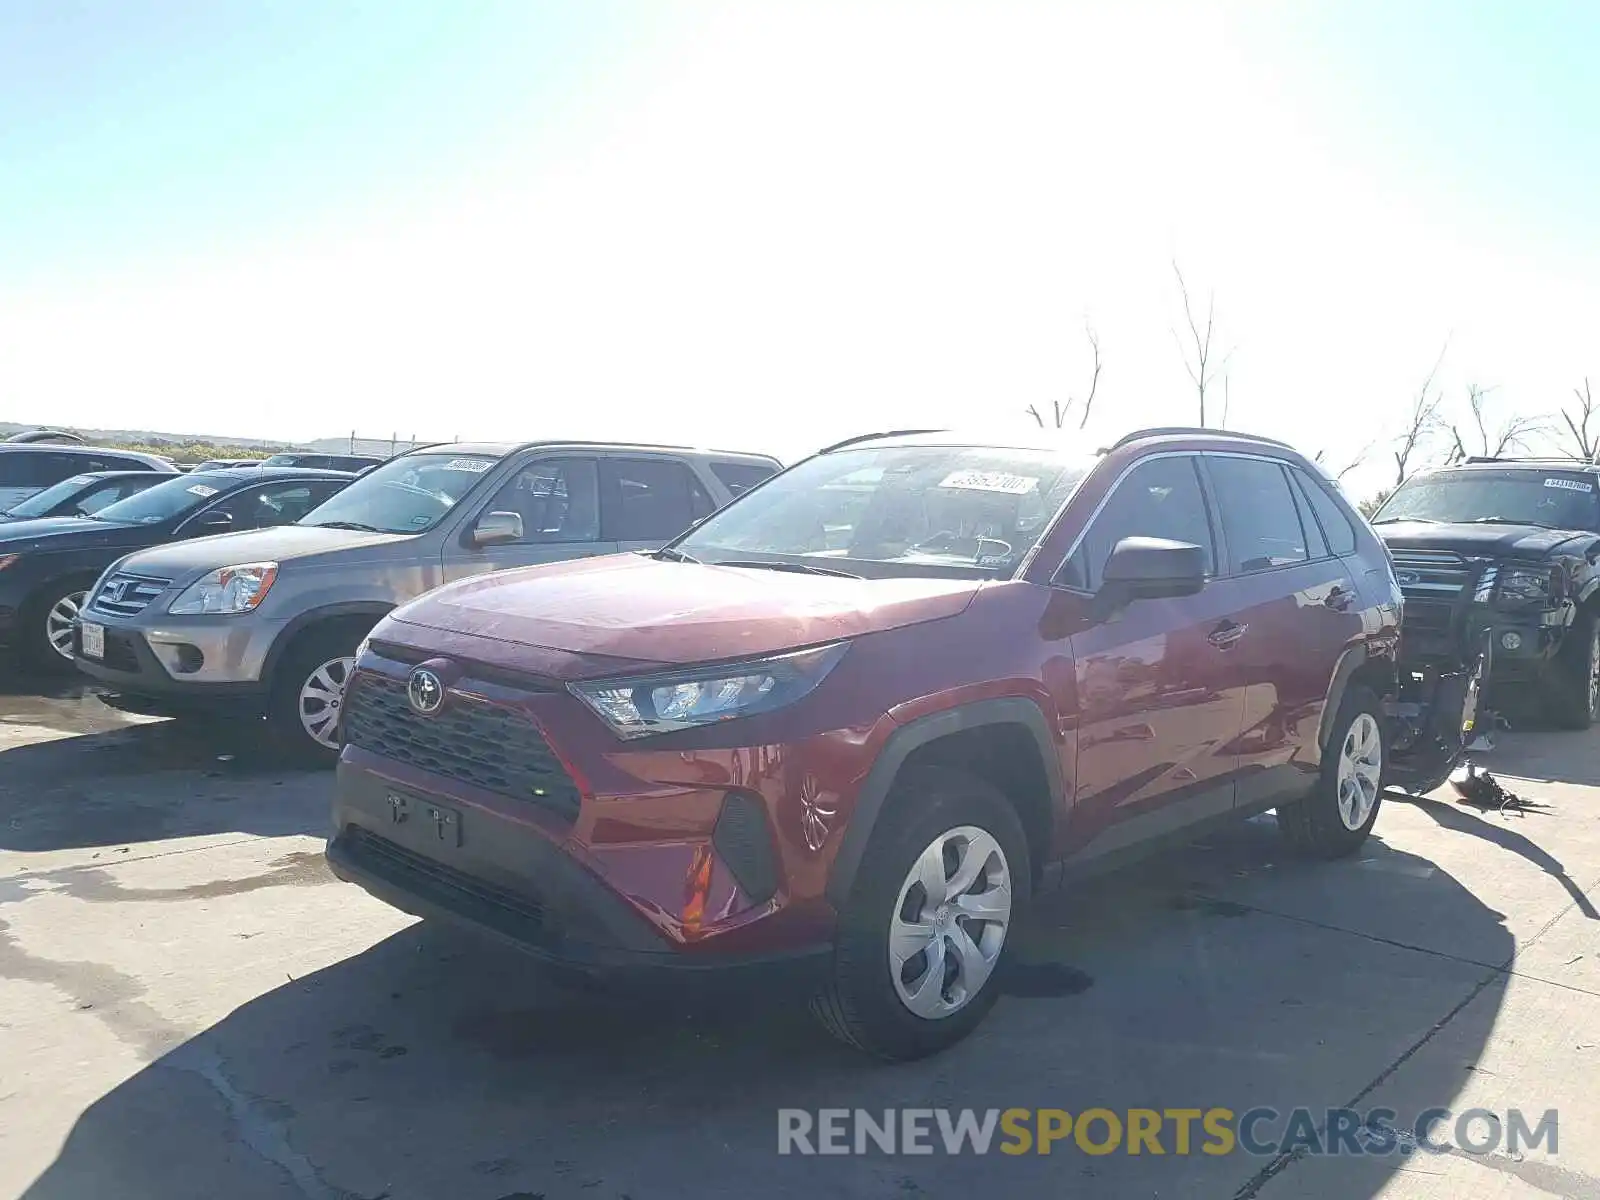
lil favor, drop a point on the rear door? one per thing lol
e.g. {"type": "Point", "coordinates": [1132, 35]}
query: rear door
{"type": "Point", "coordinates": [1295, 611]}
{"type": "Point", "coordinates": [556, 499]}
{"type": "Point", "coordinates": [646, 502]}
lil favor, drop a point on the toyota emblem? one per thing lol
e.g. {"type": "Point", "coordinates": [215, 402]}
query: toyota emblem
{"type": "Point", "coordinates": [425, 691]}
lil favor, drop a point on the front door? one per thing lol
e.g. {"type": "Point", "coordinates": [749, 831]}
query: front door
{"type": "Point", "coordinates": [1158, 701]}
{"type": "Point", "coordinates": [556, 503]}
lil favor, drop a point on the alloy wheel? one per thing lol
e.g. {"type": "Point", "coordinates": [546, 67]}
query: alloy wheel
{"type": "Point", "coordinates": [1360, 771]}
{"type": "Point", "coordinates": [320, 697]}
{"type": "Point", "coordinates": [60, 622]}
{"type": "Point", "coordinates": [950, 922]}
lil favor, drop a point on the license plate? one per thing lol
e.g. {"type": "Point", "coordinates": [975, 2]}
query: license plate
{"type": "Point", "coordinates": [94, 640]}
{"type": "Point", "coordinates": [427, 821]}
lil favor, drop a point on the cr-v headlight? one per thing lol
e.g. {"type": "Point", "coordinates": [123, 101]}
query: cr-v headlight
{"type": "Point", "coordinates": [659, 703]}
{"type": "Point", "coordinates": [236, 589]}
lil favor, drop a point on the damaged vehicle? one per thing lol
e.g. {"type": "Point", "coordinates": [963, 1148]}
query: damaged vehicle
{"type": "Point", "coordinates": [1497, 562]}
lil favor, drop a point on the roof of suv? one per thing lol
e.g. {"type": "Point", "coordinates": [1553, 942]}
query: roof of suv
{"type": "Point", "coordinates": [501, 449]}
{"type": "Point", "coordinates": [76, 450]}
{"type": "Point", "coordinates": [1535, 464]}
{"type": "Point", "coordinates": [1050, 440]}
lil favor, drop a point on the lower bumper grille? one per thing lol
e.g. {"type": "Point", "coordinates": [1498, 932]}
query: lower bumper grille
{"type": "Point", "coordinates": [443, 885]}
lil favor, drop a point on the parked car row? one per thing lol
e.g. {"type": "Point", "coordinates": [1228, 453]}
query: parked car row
{"type": "Point", "coordinates": [842, 720]}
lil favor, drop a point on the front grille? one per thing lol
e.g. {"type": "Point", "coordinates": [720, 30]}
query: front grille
{"type": "Point", "coordinates": [1431, 574]}
{"type": "Point", "coordinates": [124, 595]}
{"type": "Point", "coordinates": [442, 884]}
{"type": "Point", "coordinates": [471, 740]}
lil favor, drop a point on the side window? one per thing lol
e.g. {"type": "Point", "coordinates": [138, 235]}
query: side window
{"type": "Point", "coordinates": [118, 464]}
{"type": "Point", "coordinates": [1330, 515]}
{"type": "Point", "coordinates": [558, 500]}
{"type": "Point", "coordinates": [1258, 513]}
{"type": "Point", "coordinates": [739, 478]}
{"type": "Point", "coordinates": [700, 502]}
{"type": "Point", "coordinates": [647, 499]}
{"type": "Point", "coordinates": [1161, 498]}
{"type": "Point", "coordinates": [32, 469]}
{"type": "Point", "coordinates": [1316, 544]}
{"type": "Point", "coordinates": [272, 504]}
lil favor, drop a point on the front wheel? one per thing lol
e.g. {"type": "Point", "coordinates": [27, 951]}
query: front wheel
{"type": "Point", "coordinates": [924, 933]}
{"type": "Point", "coordinates": [308, 695]}
{"type": "Point", "coordinates": [1335, 819]}
{"type": "Point", "coordinates": [49, 624]}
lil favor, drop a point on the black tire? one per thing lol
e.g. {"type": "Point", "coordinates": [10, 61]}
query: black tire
{"type": "Point", "coordinates": [1572, 701]}
{"type": "Point", "coordinates": [1314, 827]}
{"type": "Point", "coordinates": [859, 1004]}
{"type": "Point", "coordinates": [312, 651]}
{"type": "Point", "coordinates": [33, 632]}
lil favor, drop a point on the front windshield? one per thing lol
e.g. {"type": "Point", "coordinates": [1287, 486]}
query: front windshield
{"type": "Point", "coordinates": [408, 494]}
{"type": "Point", "coordinates": [164, 501]}
{"type": "Point", "coordinates": [1552, 498]}
{"type": "Point", "coordinates": [897, 510]}
{"type": "Point", "coordinates": [40, 503]}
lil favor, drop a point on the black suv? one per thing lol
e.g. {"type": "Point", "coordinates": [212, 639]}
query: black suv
{"type": "Point", "coordinates": [1497, 560]}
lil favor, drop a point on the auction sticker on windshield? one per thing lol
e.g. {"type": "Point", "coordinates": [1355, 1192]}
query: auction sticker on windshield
{"type": "Point", "coordinates": [1571, 485]}
{"type": "Point", "coordinates": [475, 465]}
{"type": "Point", "coordinates": [201, 490]}
{"type": "Point", "coordinates": [989, 481]}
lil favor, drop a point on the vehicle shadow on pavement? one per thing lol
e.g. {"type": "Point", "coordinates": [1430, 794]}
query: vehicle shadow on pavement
{"type": "Point", "coordinates": [1561, 756]}
{"type": "Point", "coordinates": [433, 1065]}
{"type": "Point", "coordinates": [149, 782]}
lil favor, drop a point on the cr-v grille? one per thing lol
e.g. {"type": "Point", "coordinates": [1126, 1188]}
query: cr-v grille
{"type": "Point", "coordinates": [471, 740]}
{"type": "Point", "coordinates": [123, 595]}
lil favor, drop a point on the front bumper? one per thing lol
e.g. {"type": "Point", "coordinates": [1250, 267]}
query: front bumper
{"type": "Point", "coordinates": [514, 878]}
{"type": "Point", "coordinates": [182, 662]}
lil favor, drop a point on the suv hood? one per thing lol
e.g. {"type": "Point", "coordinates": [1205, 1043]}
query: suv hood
{"type": "Point", "coordinates": [602, 615]}
{"type": "Point", "coordinates": [1508, 541]}
{"type": "Point", "coordinates": [280, 544]}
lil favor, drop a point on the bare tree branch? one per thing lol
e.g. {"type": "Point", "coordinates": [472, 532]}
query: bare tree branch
{"type": "Point", "coordinates": [1059, 410]}
{"type": "Point", "coordinates": [1423, 422]}
{"type": "Point", "coordinates": [1202, 370]}
{"type": "Point", "coordinates": [1585, 445]}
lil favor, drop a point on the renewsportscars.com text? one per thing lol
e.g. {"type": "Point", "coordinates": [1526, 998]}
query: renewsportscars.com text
{"type": "Point", "coordinates": [1179, 1131]}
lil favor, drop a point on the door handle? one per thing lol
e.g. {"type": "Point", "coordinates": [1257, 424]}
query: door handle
{"type": "Point", "coordinates": [1226, 634]}
{"type": "Point", "coordinates": [1339, 599]}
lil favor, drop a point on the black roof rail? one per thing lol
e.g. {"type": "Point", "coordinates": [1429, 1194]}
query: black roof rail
{"type": "Point", "coordinates": [1196, 431]}
{"type": "Point", "coordinates": [1483, 458]}
{"type": "Point", "coordinates": [872, 437]}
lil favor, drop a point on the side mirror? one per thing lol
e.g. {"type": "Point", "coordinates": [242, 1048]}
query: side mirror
{"type": "Point", "coordinates": [215, 521]}
{"type": "Point", "coordinates": [1145, 568]}
{"type": "Point", "coordinates": [495, 528]}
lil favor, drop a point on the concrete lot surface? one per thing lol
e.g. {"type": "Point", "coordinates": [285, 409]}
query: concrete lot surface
{"type": "Point", "coordinates": [190, 1006]}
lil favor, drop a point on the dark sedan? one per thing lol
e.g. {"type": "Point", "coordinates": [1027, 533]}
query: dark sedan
{"type": "Point", "coordinates": [83, 495]}
{"type": "Point", "coordinates": [47, 565]}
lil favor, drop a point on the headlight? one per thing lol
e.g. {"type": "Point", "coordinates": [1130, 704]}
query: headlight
{"type": "Point", "coordinates": [227, 590]}
{"type": "Point", "coordinates": [1528, 585]}
{"type": "Point", "coordinates": [647, 704]}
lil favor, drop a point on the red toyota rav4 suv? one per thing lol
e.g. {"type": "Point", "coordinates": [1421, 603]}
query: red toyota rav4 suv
{"type": "Point", "coordinates": [862, 714]}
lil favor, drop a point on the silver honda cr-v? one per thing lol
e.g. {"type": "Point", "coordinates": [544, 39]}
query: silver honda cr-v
{"type": "Point", "coordinates": [267, 622]}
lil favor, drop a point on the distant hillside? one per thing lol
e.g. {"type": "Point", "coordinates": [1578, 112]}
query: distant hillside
{"type": "Point", "coordinates": [146, 437]}
{"type": "Point", "coordinates": [194, 447]}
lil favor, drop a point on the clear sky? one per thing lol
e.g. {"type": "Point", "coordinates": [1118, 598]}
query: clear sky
{"type": "Point", "coordinates": [769, 225]}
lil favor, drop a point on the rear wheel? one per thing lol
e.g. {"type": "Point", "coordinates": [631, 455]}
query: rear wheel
{"type": "Point", "coordinates": [49, 622]}
{"type": "Point", "coordinates": [1339, 813]}
{"type": "Point", "coordinates": [924, 933]}
{"type": "Point", "coordinates": [308, 694]}
{"type": "Point", "coordinates": [1573, 701]}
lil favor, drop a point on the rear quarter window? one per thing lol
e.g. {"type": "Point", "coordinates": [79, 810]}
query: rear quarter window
{"type": "Point", "coordinates": [739, 478]}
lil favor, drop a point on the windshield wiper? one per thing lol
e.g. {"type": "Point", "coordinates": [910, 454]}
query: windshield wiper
{"type": "Point", "coordinates": [1504, 521]}
{"type": "Point", "coordinates": [1397, 520]}
{"type": "Point", "coordinates": [799, 568]}
{"type": "Point", "coordinates": [356, 525]}
{"type": "Point", "coordinates": [668, 554]}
